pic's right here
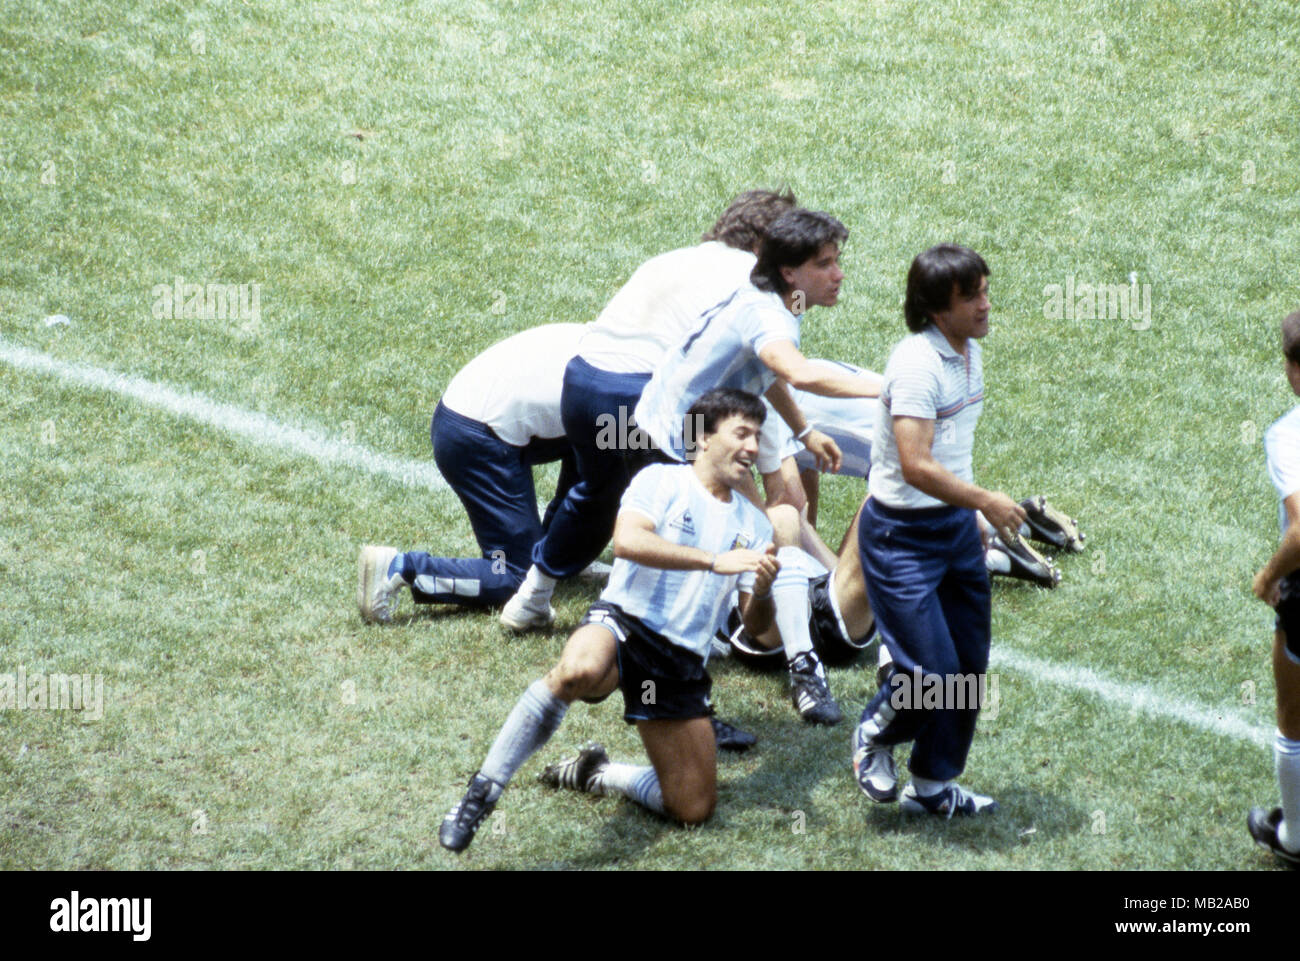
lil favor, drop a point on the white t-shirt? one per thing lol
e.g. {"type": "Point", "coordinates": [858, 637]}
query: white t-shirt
{"type": "Point", "coordinates": [514, 386]}
{"type": "Point", "coordinates": [686, 607]}
{"type": "Point", "coordinates": [1282, 454]}
{"type": "Point", "coordinates": [659, 305]}
{"type": "Point", "coordinates": [720, 351]}
{"type": "Point", "coordinates": [925, 378]}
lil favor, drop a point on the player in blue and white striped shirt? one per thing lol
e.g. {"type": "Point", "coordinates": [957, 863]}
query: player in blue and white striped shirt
{"type": "Point", "coordinates": [685, 538]}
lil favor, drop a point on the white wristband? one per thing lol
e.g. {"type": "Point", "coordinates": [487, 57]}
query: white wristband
{"type": "Point", "coordinates": [804, 433]}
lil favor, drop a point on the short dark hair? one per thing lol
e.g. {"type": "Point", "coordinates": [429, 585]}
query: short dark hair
{"type": "Point", "coordinates": [931, 278]}
{"type": "Point", "coordinates": [1291, 337]}
{"type": "Point", "coordinates": [717, 405]}
{"type": "Point", "coordinates": [793, 239]}
{"type": "Point", "coordinates": [744, 223]}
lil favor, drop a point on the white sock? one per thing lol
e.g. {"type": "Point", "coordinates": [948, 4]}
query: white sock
{"type": "Point", "coordinates": [790, 595]}
{"type": "Point", "coordinates": [1286, 761]}
{"type": "Point", "coordinates": [637, 782]}
{"type": "Point", "coordinates": [927, 788]}
{"type": "Point", "coordinates": [531, 723]}
{"type": "Point", "coordinates": [537, 586]}
{"type": "Point", "coordinates": [995, 560]}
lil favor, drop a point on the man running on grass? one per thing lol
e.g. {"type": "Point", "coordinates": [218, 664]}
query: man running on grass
{"type": "Point", "coordinates": [684, 538]}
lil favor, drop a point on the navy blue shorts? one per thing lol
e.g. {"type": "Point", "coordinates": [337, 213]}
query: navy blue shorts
{"type": "Point", "coordinates": [660, 680]}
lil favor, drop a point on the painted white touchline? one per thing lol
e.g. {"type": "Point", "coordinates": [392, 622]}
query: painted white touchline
{"type": "Point", "coordinates": [268, 432]}
{"type": "Point", "coordinates": [250, 425]}
{"type": "Point", "coordinates": [1137, 697]}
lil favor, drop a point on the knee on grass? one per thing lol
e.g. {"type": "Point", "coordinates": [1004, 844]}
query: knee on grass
{"type": "Point", "coordinates": [692, 810]}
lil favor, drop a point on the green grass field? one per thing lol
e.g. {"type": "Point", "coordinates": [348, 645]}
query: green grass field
{"type": "Point", "coordinates": [409, 182]}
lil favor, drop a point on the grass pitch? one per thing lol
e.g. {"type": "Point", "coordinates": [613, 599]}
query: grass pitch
{"type": "Point", "coordinates": [407, 183]}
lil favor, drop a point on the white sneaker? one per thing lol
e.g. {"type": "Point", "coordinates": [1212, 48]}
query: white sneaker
{"type": "Point", "coordinates": [523, 613]}
{"type": "Point", "coordinates": [954, 799]}
{"type": "Point", "coordinates": [376, 591]}
{"type": "Point", "coordinates": [596, 571]}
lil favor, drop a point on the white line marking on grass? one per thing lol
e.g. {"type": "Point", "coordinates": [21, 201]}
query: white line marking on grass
{"type": "Point", "coordinates": [250, 425]}
{"type": "Point", "coordinates": [267, 432]}
{"type": "Point", "coordinates": [1137, 697]}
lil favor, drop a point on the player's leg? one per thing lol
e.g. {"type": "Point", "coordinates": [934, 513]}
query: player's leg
{"type": "Point", "coordinates": [955, 663]}
{"type": "Point", "coordinates": [683, 757]}
{"type": "Point", "coordinates": [588, 668]}
{"type": "Point", "coordinates": [809, 691]}
{"type": "Point", "coordinates": [1286, 745]}
{"type": "Point", "coordinates": [495, 485]}
{"type": "Point", "coordinates": [596, 407]}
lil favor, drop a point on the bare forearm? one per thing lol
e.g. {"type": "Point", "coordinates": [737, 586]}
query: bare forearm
{"type": "Point", "coordinates": [826, 382]}
{"type": "Point", "coordinates": [930, 477]}
{"type": "Point", "coordinates": [650, 550]}
{"type": "Point", "coordinates": [1286, 558]}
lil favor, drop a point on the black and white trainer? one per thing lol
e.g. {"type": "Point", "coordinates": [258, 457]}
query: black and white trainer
{"type": "Point", "coordinates": [576, 773]}
{"type": "Point", "coordinates": [810, 693]}
{"type": "Point", "coordinates": [730, 737]}
{"type": "Point", "coordinates": [463, 821]}
{"type": "Point", "coordinates": [954, 799]}
{"type": "Point", "coordinates": [1051, 526]}
{"type": "Point", "coordinates": [873, 768]}
{"type": "Point", "coordinates": [1262, 825]}
{"type": "Point", "coordinates": [1017, 559]}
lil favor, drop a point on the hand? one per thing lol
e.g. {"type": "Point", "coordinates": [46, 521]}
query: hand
{"type": "Point", "coordinates": [1267, 589]}
{"type": "Point", "coordinates": [739, 561]}
{"type": "Point", "coordinates": [825, 450]}
{"type": "Point", "coordinates": [766, 572]}
{"type": "Point", "coordinates": [1004, 514]}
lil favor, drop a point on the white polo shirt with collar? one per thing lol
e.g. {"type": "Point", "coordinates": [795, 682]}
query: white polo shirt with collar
{"type": "Point", "coordinates": [927, 379]}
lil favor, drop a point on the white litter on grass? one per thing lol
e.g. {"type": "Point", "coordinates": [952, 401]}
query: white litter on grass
{"type": "Point", "coordinates": [55, 319]}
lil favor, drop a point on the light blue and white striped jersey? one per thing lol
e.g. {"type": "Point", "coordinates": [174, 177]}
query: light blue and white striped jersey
{"type": "Point", "coordinates": [686, 607]}
{"type": "Point", "coordinates": [925, 378]}
{"type": "Point", "coordinates": [721, 351]}
{"type": "Point", "coordinates": [1282, 454]}
{"type": "Point", "coordinates": [849, 421]}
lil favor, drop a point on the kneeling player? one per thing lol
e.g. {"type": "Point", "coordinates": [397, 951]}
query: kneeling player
{"type": "Point", "coordinates": [683, 540]}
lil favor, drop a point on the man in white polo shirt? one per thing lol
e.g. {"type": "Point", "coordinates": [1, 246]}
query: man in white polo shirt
{"type": "Point", "coordinates": [921, 550]}
{"type": "Point", "coordinates": [499, 416]}
{"type": "Point", "coordinates": [1278, 585]}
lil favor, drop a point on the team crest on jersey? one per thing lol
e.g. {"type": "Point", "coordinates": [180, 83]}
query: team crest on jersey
{"type": "Point", "coordinates": [684, 523]}
{"type": "Point", "coordinates": [740, 543]}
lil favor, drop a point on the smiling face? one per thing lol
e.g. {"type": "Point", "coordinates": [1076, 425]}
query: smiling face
{"type": "Point", "coordinates": [819, 278]}
{"type": "Point", "coordinates": [725, 457]}
{"type": "Point", "coordinates": [967, 315]}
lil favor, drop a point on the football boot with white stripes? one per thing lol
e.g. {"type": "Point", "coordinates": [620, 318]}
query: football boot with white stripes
{"type": "Point", "coordinates": [463, 821]}
{"type": "Point", "coordinates": [1017, 559]}
{"type": "Point", "coordinates": [1048, 525]}
{"type": "Point", "coordinates": [576, 773]}
{"type": "Point", "coordinates": [873, 768]}
{"type": "Point", "coordinates": [954, 799]}
{"type": "Point", "coordinates": [810, 693]}
{"type": "Point", "coordinates": [377, 584]}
